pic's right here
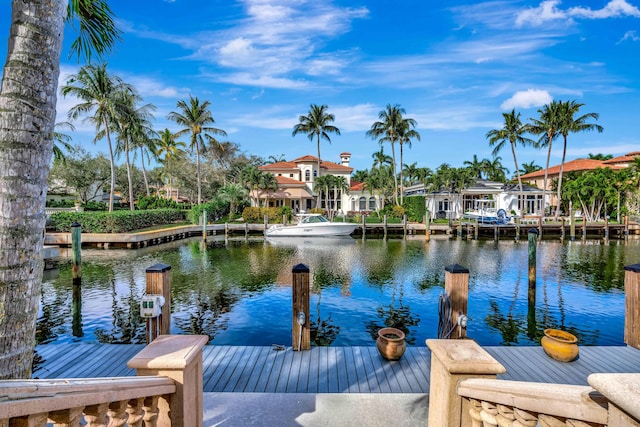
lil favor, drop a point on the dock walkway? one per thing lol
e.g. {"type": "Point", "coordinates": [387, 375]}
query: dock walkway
{"type": "Point", "coordinates": [361, 369]}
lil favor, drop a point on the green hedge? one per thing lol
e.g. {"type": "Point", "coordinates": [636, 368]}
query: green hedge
{"type": "Point", "coordinates": [215, 210]}
{"type": "Point", "coordinates": [415, 207]}
{"type": "Point", "coordinates": [115, 222]}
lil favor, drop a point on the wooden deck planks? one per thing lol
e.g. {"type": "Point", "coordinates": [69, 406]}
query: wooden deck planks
{"type": "Point", "coordinates": [330, 369]}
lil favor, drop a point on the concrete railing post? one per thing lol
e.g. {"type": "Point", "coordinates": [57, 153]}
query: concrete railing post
{"type": "Point", "coordinates": [451, 362]}
{"type": "Point", "coordinates": [178, 357]}
{"type": "Point", "coordinates": [632, 305]}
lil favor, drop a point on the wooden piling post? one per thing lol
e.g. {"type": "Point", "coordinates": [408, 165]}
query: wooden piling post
{"type": "Point", "coordinates": [495, 233]}
{"type": "Point", "coordinates": [158, 282]}
{"type": "Point", "coordinates": [204, 225]}
{"type": "Point", "coordinates": [266, 222]}
{"type": "Point", "coordinates": [562, 232]}
{"type": "Point", "coordinates": [385, 225]}
{"type": "Point", "coordinates": [572, 225]}
{"type": "Point", "coordinates": [532, 237]}
{"type": "Point", "coordinates": [584, 227]}
{"type": "Point", "coordinates": [404, 225]}
{"type": "Point", "coordinates": [456, 286]}
{"type": "Point", "coordinates": [540, 225]}
{"type": "Point", "coordinates": [76, 252]}
{"type": "Point", "coordinates": [626, 226]}
{"type": "Point", "coordinates": [300, 333]}
{"type": "Point", "coordinates": [606, 228]}
{"type": "Point", "coordinates": [517, 222]}
{"type": "Point", "coordinates": [459, 229]}
{"type": "Point", "coordinates": [427, 223]}
{"type": "Point", "coordinates": [476, 229]}
{"type": "Point", "coordinates": [632, 305]}
{"type": "Point", "coordinates": [364, 224]}
{"type": "Point", "coordinates": [226, 230]}
{"type": "Point", "coordinates": [76, 310]}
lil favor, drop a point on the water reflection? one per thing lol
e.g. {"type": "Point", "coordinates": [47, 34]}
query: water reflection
{"type": "Point", "coordinates": [238, 291]}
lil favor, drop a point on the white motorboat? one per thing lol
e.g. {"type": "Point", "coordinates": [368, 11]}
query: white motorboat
{"type": "Point", "coordinates": [486, 213]}
{"type": "Point", "coordinates": [311, 225]}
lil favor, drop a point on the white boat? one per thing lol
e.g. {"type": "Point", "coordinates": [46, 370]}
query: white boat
{"type": "Point", "coordinates": [486, 213]}
{"type": "Point", "coordinates": [311, 225]}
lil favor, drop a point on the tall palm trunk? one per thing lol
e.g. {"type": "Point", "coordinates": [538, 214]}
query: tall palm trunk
{"type": "Point", "coordinates": [27, 117]}
{"type": "Point", "coordinates": [401, 180]}
{"type": "Point", "coordinates": [515, 161]}
{"type": "Point", "coordinates": [198, 169]}
{"type": "Point", "coordinates": [129, 179]}
{"type": "Point", "coordinates": [144, 173]}
{"type": "Point", "coordinates": [112, 189]}
{"type": "Point", "coordinates": [395, 175]}
{"type": "Point", "coordinates": [564, 155]}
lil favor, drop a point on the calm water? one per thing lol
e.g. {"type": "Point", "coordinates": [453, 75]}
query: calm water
{"type": "Point", "coordinates": [239, 293]}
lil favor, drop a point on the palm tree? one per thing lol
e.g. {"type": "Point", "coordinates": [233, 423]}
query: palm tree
{"type": "Point", "coordinates": [166, 149]}
{"type": "Point", "coordinates": [234, 194]}
{"type": "Point", "coordinates": [316, 124]}
{"type": "Point", "coordinates": [528, 168]}
{"type": "Point", "coordinates": [494, 169]}
{"type": "Point", "coordinates": [360, 175]}
{"type": "Point", "coordinates": [569, 123]}
{"type": "Point", "coordinates": [196, 118]}
{"type": "Point", "coordinates": [341, 185]}
{"type": "Point", "coordinates": [277, 159]}
{"type": "Point", "coordinates": [380, 159]}
{"type": "Point", "coordinates": [252, 176]}
{"type": "Point", "coordinates": [547, 126]}
{"type": "Point", "coordinates": [61, 141]}
{"type": "Point", "coordinates": [268, 183]}
{"type": "Point", "coordinates": [321, 187]}
{"type": "Point", "coordinates": [512, 132]}
{"type": "Point", "coordinates": [411, 172]}
{"type": "Point", "coordinates": [475, 165]}
{"type": "Point", "coordinates": [28, 104]}
{"type": "Point", "coordinates": [405, 134]}
{"type": "Point", "coordinates": [101, 94]}
{"type": "Point", "coordinates": [390, 128]}
{"type": "Point", "coordinates": [600, 156]}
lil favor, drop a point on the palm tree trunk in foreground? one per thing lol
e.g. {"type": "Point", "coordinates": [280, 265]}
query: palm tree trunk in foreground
{"type": "Point", "coordinates": [27, 117]}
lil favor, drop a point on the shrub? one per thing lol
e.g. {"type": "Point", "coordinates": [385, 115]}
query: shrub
{"type": "Point", "coordinates": [115, 222]}
{"type": "Point", "coordinates": [415, 207]}
{"type": "Point", "coordinates": [397, 212]}
{"type": "Point", "coordinates": [255, 214]}
{"type": "Point", "coordinates": [155, 202]}
{"type": "Point", "coordinates": [216, 209]}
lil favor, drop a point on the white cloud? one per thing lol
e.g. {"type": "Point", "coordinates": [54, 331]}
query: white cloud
{"type": "Point", "coordinates": [355, 117]}
{"type": "Point", "coordinates": [148, 87]}
{"type": "Point", "coordinates": [527, 99]}
{"type": "Point", "coordinates": [249, 79]}
{"type": "Point", "coordinates": [629, 35]}
{"type": "Point", "coordinates": [615, 149]}
{"type": "Point", "coordinates": [548, 10]}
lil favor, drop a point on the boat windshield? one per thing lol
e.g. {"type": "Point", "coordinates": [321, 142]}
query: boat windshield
{"type": "Point", "coordinates": [313, 219]}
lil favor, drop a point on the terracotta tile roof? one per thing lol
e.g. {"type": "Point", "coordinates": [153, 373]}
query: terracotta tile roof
{"type": "Point", "coordinates": [284, 181]}
{"type": "Point", "coordinates": [627, 158]}
{"type": "Point", "coordinates": [306, 158]}
{"type": "Point", "coordinates": [279, 166]}
{"type": "Point", "coordinates": [330, 166]}
{"type": "Point", "coordinates": [356, 186]}
{"type": "Point", "coordinates": [571, 166]}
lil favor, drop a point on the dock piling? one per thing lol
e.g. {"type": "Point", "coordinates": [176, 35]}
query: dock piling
{"type": "Point", "coordinates": [204, 225]}
{"type": "Point", "coordinates": [300, 330]}
{"type": "Point", "coordinates": [76, 253]}
{"type": "Point", "coordinates": [158, 282]}
{"type": "Point", "coordinates": [427, 223]}
{"type": "Point", "coordinates": [456, 286]}
{"type": "Point", "coordinates": [532, 237]}
{"type": "Point", "coordinates": [632, 305]}
{"type": "Point", "coordinates": [572, 224]}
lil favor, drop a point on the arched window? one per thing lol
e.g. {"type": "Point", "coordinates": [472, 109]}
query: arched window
{"type": "Point", "coordinates": [307, 175]}
{"type": "Point", "coordinates": [372, 203]}
{"type": "Point", "coordinates": [363, 204]}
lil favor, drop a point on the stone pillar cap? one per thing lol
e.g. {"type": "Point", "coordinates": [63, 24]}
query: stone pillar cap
{"type": "Point", "coordinates": [464, 356]}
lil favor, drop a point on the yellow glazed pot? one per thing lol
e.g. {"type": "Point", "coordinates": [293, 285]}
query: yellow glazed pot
{"type": "Point", "coordinates": [390, 343]}
{"type": "Point", "coordinates": [560, 345]}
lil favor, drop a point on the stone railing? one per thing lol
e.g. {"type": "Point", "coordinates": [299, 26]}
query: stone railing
{"type": "Point", "coordinates": [464, 391]}
{"type": "Point", "coordinates": [166, 392]}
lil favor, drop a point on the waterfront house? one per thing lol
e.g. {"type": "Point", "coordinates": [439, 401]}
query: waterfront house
{"type": "Point", "coordinates": [297, 187]}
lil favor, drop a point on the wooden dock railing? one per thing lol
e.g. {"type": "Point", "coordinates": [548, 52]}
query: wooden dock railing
{"type": "Point", "coordinates": [167, 392]}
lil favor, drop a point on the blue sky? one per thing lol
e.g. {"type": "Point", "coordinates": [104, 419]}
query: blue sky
{"type": "Point", "coordinates": [454, 66]}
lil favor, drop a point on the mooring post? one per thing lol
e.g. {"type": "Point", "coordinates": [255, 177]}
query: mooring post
{"type": "Point", "coordinates": [495, 233]}
{"type": "Point", "coordinates": [632, 305]}
{"type": "Point", "coordinates": [404, 225]}
{"type": "Point", "coordinates": [459, 229]}
{"type": "Point", "coordinates": [572, 224]}
{"type": "Point", "coordinates": [204, 225]}
{"type": "Point", "coordinates": [76, 310]}
{"type": "Point", "coordinates": [385, 225]}
{"type": "Point", "coordinates": [562, 232]}
{"type": "Point", "coordinates": [517, 221]}
{"type": "Point", "coordinates": [364, 224]}
{"type": "Point", "coordinates": [540, 225]}
{"type": "Point", "coordinates": [158, 282]}
{"type": "Point", "coordinates": [76, 253]}
{"type": "Point", "coordinates": [476, 229]}
{"type": "Point", "coordinates": [427, 223]}
{"type": "Point", "coordinates": [606, 228]}
{"type": "Point", "coordinates": [532, 236]}
{"type": "Point", "coordinates": [456, 286]}
{"type": "Point", "coordinates": [584, 227]}
{"type": "Point", "coordinates": [626, 226]}
{"type": "Point", "coordinates": [266, 222]}
{"type": "Point", "coordinates": [300, 329]}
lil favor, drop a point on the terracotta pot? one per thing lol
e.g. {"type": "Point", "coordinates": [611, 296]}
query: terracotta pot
{"type": "Point", "coordinates": [560, 345]}
{"type": "Point", "coordinates": [390, 343]}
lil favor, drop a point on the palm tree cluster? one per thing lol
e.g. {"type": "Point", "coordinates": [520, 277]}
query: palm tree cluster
{"type": "Point", "coordinates": [556, 118]}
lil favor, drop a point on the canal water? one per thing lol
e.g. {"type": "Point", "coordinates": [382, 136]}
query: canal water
{"type": "Point", "coordinates": [238, 292]}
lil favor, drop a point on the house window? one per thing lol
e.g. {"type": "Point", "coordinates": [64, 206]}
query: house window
{"type": "Point", "coordinates": [307, 175]}
{"type": "Point", "coordinates": [290, 175]}
{"type": "Point", "coordinates": [315, 173]}
{"type": "Point", "coordinates": [372, 203]}
{"type": "Point", "coordinates": [443, 205]}
{"type": "Point", "coordinates": [363, 204]}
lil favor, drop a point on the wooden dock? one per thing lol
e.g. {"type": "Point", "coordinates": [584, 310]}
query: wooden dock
{"type": "Point", "coordinates": [329, 369]}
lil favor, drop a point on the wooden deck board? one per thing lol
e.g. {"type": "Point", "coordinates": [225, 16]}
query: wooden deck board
{"type": "Point", "coordinates": [330, 369]}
